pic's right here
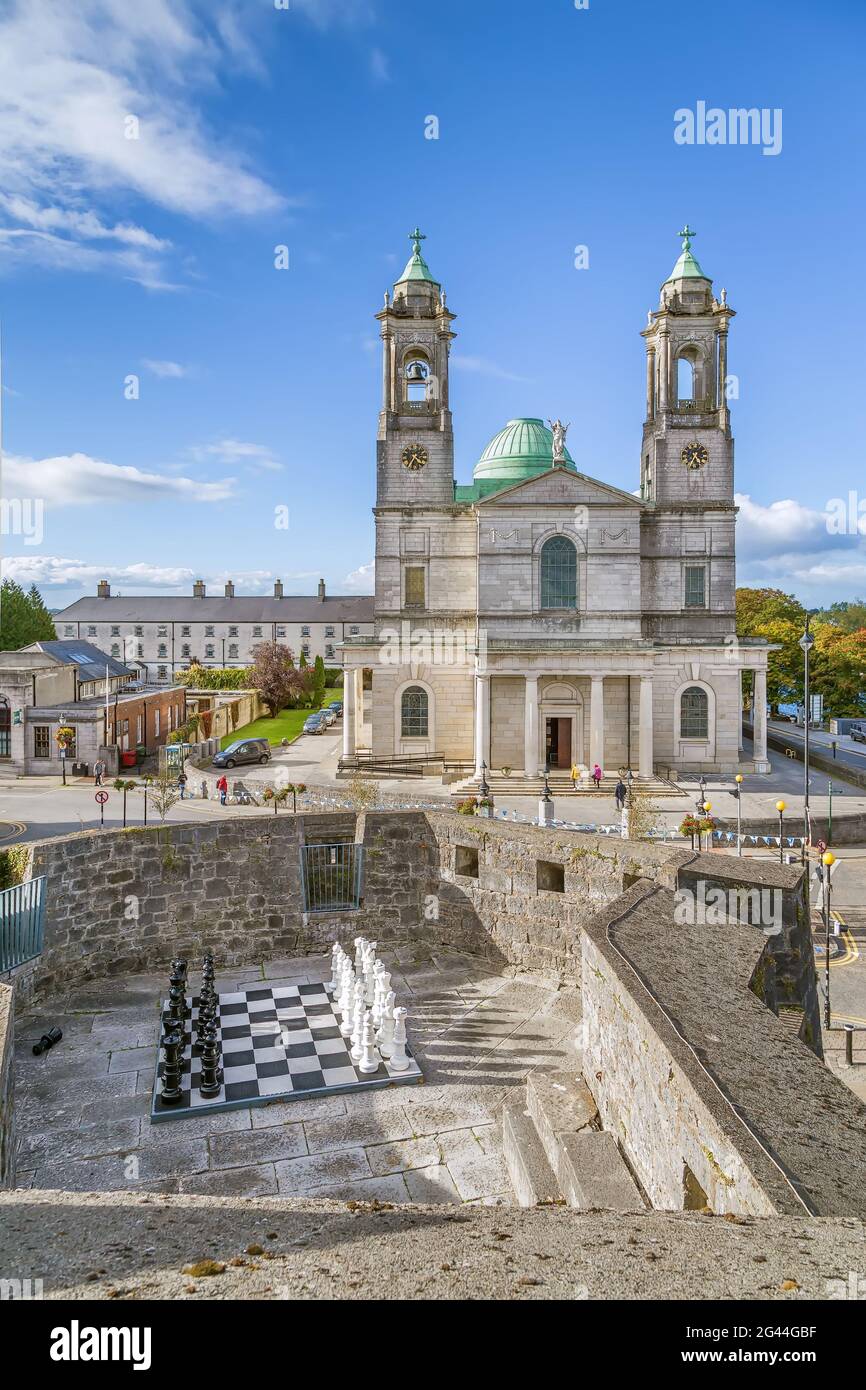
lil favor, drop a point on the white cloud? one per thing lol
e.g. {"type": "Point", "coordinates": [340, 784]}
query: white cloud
{"type": "Point", "coordinates": [163, 368]}
{"type": "Point", "coordinates": [76, 576]}
{"type": "Point", "coordinates": [481, 366]}
{"type": "Point", "coordinates": [379, 66]}
{"type": "Point", "coordinates": [71, 79]}
{"type": "Point", "coordinates": [74, 479]}
{"type": "Point", "coordinates": [787, 546]}
{"type": "Point", "coordinates": [230, 452]}
{"type": "Point", "coordinates": [324, 14]}
{"type": "Point", "coordinates": [361, 580]}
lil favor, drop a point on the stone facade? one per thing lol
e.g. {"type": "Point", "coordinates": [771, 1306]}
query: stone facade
{"type": "Point", "coordinates": [646, 622]}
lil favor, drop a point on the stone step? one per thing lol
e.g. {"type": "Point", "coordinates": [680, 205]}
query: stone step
{"type": "Point", "coordinates": [531, 1175]}
{"type": "Point", "coordinates": [592, 1173]}
{"type": "Point", "coordinates": [559, 1102]}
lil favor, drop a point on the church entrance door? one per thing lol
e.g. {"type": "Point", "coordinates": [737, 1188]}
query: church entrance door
{"type": "Point", "coordinates": [558, 743]}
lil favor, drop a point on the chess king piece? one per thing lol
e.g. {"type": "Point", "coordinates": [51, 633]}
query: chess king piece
{"type": "Point", "coordinates": [369, 1061]}
{"type": "Point", "coordinates": [172, 1047]}
{"type": "Point", "coordinates": [211, 1076]}
{"type": "Point", "coordinates": [385, 1035]}
{"type": "Point", "coordinates": [399, 1059]}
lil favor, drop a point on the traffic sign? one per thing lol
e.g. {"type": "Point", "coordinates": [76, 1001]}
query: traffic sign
{"type": "Point", "coordinates": [101, 797]}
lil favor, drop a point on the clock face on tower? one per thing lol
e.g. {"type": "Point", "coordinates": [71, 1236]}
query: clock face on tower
{"type": "Point", "coordinates": [695, 455]}
{"type": "Point", "coordinates": [414, 456]}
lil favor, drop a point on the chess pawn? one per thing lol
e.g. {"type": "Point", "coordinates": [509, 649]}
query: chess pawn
{"type": "Point", "coordinates": [399, 1059]}
{"type": "Point", "coordinates": [358, 1022]}
{"type": "Point", "coordinates": [385, 1035]}
{"type": "Point", "coordinates": [331, 986]}
{"type": "Point", "coordinates": [369, 1061]}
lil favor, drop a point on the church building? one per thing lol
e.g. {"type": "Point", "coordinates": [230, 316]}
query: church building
{"type": "Point", "coordinates": [538, 618]}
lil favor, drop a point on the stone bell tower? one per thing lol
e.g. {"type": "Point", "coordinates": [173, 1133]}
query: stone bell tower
{"type": "Point", "coordinates": [415, 445]}
{"type": "Point", "coordinates": [687, 453]}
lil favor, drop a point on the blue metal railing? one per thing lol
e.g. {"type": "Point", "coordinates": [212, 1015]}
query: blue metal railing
{"type": "Point", "coordinates": [22, 913]}
{"type": "Point", "coordinates": [332, 876]}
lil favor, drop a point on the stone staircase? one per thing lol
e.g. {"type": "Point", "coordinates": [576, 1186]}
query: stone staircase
{"type": "Point", "coordinates": [561, 786]}
{"type": "Point", "coordinates": [556, 1152]}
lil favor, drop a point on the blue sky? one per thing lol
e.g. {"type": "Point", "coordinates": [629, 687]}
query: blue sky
{"type": "Point", "coordinates": [305, 126]}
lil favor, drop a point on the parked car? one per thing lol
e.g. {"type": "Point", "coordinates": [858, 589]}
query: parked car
{"type": "Point", "coordinates": [858, 733]}
{"type": "Point", "coordinates": [315, 724]}
{"type": "Point", "coordinates": [337, 707]}
{"type": "Point", "coordinates": [245, 750]}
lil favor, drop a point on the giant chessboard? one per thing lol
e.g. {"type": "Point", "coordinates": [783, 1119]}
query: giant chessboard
{"type": "Point", "coordinates": [279, 1042]}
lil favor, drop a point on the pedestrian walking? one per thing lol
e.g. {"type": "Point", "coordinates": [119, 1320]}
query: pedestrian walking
{"type": "Point", "coordinates": [181, 782]}
{"type": "Point", "coordinates": [596, 776]}
{"type": "Point", "coordinates": [98, 772]}
{"type": "Point", "coordinates": [575, 773]}
{"type": "Point", "coordinates": [223, 789]}
{"type": "Point", "coordinates": [620, 794]}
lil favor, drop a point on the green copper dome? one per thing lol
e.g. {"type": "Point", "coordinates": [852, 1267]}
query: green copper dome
{"type": "Point", "coordinates": [522, 449]}
{"type": "Point", "coordinates": [416, 266]}
{"type": "Point", "coordinates": [687, 267]}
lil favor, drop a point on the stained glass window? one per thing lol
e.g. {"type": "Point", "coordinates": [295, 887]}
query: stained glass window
{"type": "Point", "coordinates": [558, 573]}
{"type": "Point", "coordinates": [413, 712]}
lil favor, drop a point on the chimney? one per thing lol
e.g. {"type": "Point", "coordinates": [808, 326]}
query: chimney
{"type": "Point", "coordinates": [278, 588]}
{"type": "Point", "coordinates": [230, 589]}
{"type": "Point", "coordinates": [103, 589]}
{"type": "Point", "coordinates": [321, 590]}
{"type": "Point", "coordinates": [198, 589]}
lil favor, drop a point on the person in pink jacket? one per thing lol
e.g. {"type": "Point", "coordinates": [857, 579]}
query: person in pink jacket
{"type": "Point", "coordinates": [596, 776]}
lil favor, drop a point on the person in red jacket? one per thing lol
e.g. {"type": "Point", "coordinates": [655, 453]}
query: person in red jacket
{"type": "Point", "coordinates": [223, 789]}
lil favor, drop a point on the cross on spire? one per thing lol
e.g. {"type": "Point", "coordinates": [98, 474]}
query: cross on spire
{"type": "Point", "coordinates": [416, 238]}
{"type": "Point", "coordinates": [687, 235]}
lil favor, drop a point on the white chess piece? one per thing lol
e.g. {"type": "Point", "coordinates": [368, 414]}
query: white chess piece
{"type": "Point", "coordinates": [346, 1001]}
{"type": "Point", "coordinates": [385, 1035]}
{"type": "Point", "coordinates": [378, 998]}
{"type": "Point", "coordinates": [399, 1059]}
{"type": "Point", "coordinates": [360, 944]}
{"type": "Point", "coordinates": [336, 951]}
{"type": "Point", "coordinates": [370, 977]}
{"type": "Point", "coordinates": [369, 1061]}
{"type": "Point", "coordinates": [357, 1022]}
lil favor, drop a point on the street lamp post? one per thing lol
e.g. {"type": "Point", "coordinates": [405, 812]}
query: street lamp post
{"type": "Point", "coordinates": [739, 780]}
{"type": "Point", "coordinates": [702, 785]}
{"type": "Point", "coordinates": [706, 808]}
{"type": "Point", "coordinates": [780, 807]}
{"type": "Point", "coordinates": [807, 642]}
{"type": "Point", "coordinates": [828, 859]}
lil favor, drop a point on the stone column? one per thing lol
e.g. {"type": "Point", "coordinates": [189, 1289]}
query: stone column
{"type": "Point", "coordinates": [664, 368]}
{"type": "Point", "coordinates": [358, 699]}
{"type": "Point", "coordinates": [530, 728]}
{"type": "Point", "coordinates": [759, 719]}
{"type": "Point", "coordinates": [645, 746]}
{"type": "Point", "coordinates": [386, 371]}
{"type": "Point", "coordinates": [740, 709]}
{"type": "Point", "coordinates": [596, 723]}
{"type": "Point", "coordinates": [721, 401]}
{"type": "Point", "coordinates": [650, 382]}
{"type": "Point", "coordinates": [482, 722]}
{"type": "Point", "coordinates": [348, 714]}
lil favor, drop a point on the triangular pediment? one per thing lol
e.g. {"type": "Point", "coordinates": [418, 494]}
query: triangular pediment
{"type": "Point", "coordinates": [562, 486]}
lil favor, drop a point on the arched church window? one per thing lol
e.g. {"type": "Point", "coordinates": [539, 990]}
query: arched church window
{"type": "Point", "coordinates": [694, 713]}
{"type": "Point", "coordinates": [414, 712]}
{"type": "Point", "coordinates": [558, 573]}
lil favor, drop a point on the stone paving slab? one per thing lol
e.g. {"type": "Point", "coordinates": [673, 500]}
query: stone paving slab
{"type": "Point", "coordinates": [248, 1147]}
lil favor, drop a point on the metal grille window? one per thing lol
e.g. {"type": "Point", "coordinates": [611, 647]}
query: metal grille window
{"type": "Point", "coordinates": [332, 877]}
{"type": "Point", "coordinates": [694, 713]}
{"type": "Point", "coordinates": [414, 716]}
{"type": "Point", "coordinates": [696, 587]}
{"type": "Point", "coordinates": [415, 587]}
{"type": "Point", "coordinates": [558, 573]}
{"type": "Point", "coordinates": [41, 741]}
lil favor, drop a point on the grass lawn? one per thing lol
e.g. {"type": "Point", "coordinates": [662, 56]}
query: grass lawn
{"type": "Point", "coordinates": [288, 724]}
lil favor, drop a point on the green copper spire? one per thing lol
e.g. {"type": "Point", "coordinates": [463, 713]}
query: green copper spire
{"type": "Point", "coordinates": [416, 267]}
{"type": "Point", "coordinates": [687, 267]}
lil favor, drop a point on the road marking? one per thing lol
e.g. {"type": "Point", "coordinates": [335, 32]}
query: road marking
{"type": "Point", "coordinates": [11, 829]}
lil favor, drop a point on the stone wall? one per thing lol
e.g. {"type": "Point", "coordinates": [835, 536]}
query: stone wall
{"type": "Point", "coordinates": [7, 1127]}
{"type": "Point", "coordinates": [126, 901]}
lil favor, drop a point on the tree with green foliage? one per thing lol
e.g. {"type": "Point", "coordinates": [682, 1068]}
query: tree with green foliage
{"type": "Point", "coordinates": [216, 677]}
{"type": "Point", "coordinates": [318, 681]}
{"type": "Point", "coordinates": [838, 660]}
{"type": "Point", "coordinates": [276, 678]}
{"type": "Point", "coordinates": [779, 618]}
{"type": "Point", "coordinates": [23, 617]}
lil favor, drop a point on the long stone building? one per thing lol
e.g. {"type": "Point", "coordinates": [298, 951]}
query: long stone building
{"type": "Point", "coordinates": [539, 618]}
{"type": "Point", "coordinates": [161, 635]}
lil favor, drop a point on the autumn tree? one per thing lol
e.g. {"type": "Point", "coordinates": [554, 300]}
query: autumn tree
{"type": "Point", "coordinates": [274, 675]}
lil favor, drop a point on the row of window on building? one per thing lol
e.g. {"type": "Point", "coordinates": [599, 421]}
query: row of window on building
{"type": "Point", "coordinates": [186, 631]}
{"type": "Point", "coordinates": [415, 713]}
{"type": "Point", "coordinates": [558, 579]}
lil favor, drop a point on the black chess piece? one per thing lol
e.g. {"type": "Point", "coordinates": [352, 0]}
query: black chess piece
{"type": "Point", "coordinates": [211, 1075]}
{"type": "Point", "coordinates": [206, 1016]}
{"type": "Point", "coordinates": [177, 1009]}
{"type": "Point", "coordinates": [172, 1069]}
{"type": "Point", "coordinates": [47, 1041]}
